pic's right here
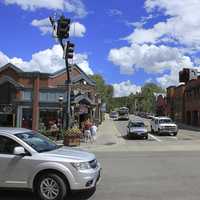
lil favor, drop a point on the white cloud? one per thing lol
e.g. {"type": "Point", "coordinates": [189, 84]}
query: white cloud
{"type": "Point", "coordinates": [182, 23]}
{"type": "Point", "coordinates": [73, 6]}
{"type": "Point", "coordinates": [82, 61]}
{"type": "Point", "coordinates": [151, 58]}
{"type": "Point", "coordinates": [173, 77]}
{"type": "Point", "coordinates": [48, 60]}
{"type": "Point", "coordinates": [77, 30]}
{"type": "Point", "coordinates": [114, 12]}
{"type": "Point", "coordinates": [125, 88]}
{"type": "Point", "coordinates": [44, 25]}
{"type": "Point", "coordinates": [3, 59]}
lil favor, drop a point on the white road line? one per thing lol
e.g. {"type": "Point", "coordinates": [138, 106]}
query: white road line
{"type": "Point", "coordinates": [155, 138]}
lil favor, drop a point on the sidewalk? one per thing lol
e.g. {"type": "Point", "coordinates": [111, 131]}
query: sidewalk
{"type": "Point", "coordinates": [188, 127]}
{"type": "Point", "coordinates": [107, 136]}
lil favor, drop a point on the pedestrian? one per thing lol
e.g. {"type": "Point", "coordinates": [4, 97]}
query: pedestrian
{"type": "Point", "coordinates": [87, 131]}
{"type": "Point", "coordinates": [93, 131]}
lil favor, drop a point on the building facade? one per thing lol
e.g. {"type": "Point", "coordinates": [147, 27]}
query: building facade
{"type": "Point", "coordinates": [184, 100]}
{"type": "Point", "coordinates": [29, 99]}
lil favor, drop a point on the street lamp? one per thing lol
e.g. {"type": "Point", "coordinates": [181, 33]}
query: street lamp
{"type": "Point", "coordinates": [61, 111]}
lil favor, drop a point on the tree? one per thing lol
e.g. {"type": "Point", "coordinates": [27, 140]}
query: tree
{"type": "Point", "coordinates": [149, 100]}
{"type": "Point", "coordinates": [105, 90]}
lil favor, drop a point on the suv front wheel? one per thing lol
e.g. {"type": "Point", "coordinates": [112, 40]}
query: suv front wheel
{"type": "Point", "coordinates": [51, 187]}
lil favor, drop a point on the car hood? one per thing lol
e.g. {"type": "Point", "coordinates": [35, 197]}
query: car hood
{"type": "Point", "coordinates": [70, 154]}
{"type": "Point", "coordinates": [139, 129]}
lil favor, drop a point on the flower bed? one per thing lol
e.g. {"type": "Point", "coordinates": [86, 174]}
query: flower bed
{"type": "Point", "coordinates": [72, 137]}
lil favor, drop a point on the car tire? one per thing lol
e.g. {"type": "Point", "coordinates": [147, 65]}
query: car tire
{"type": "Point", "coordinates": [146, 137]}
{"type": "Point", "coordinates": [152, 131]}
{"type": "Point", "coordinates": [175, 134]}
{"type": "Point", "coordinates": [45, 193]}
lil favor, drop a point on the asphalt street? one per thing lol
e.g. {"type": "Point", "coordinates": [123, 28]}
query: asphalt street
{"type": "Point", "coordinates": [183, 134]}
{"type": "Point", "coordinates": [140, 176]}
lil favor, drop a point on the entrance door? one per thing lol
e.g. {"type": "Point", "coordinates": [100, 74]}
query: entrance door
{"type": "Point", "coordinates": [7, 100]}
{"type": "Point", "coordinates": [6, 120]}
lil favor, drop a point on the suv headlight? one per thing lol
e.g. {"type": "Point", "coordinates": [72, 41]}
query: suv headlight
{"type": "Point", "coordinates": [162, 127]}
{"type": "Point", "coordinates": [81, 165]}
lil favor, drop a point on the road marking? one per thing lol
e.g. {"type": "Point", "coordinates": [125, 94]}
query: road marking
{"type": "Point", "coordinates": [155, 138]}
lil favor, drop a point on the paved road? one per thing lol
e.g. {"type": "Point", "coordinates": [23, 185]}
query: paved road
{"type": "Point", "coordinates": [141, 176]}
{"type": "Point", "coordinates": [183, 135]}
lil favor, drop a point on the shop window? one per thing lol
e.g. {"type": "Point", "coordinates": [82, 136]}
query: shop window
{"type": "Point", "coordinates": [26, 95]}
{"type": "Point", "coordinates": [43, 96]}
{"type": "Point", "coordinates": [51, 97]}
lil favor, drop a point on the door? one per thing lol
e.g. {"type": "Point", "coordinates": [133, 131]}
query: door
{"type": "Point", "coordinates": [14, 170]}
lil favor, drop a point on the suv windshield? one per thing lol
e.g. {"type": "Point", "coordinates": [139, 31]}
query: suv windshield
{"type": "Point", "coordinates": [37, 141]}
{"type": "Point", "coordinates": [165, 121]}
{"type": "Point", "coordinates": [136, 124]}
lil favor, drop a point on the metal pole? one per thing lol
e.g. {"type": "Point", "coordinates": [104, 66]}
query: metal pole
{"type": "Point", "coordinates": [68, 122]}
{"type": "Point", "coordinates": [68, 111]}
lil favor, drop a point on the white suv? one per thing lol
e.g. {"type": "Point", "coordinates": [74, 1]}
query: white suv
{"type": "Point", "coordinates": [30, 160]}
{"type": "Point", "coordinates": [163, 125]}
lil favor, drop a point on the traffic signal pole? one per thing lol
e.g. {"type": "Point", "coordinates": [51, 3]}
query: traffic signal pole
{"type": "Point", "coordinates": [67, 83]}
{"type": "Point", "coordinates": [61, 31]}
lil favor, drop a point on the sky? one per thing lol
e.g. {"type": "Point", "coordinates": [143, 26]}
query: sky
{"type": "Point", "coordinates": [128, 42]}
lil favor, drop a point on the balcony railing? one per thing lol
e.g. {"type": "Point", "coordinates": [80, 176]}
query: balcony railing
{"type": "Point", "coordinates": [7, 108]}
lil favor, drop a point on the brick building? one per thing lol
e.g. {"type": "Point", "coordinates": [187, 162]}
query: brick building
{"type": "Point", "coordinates": [161, 104]}
{"type": "Point", "coordinates": [184, 100]}
{"type": "Point", "coordinates": [30, 98]}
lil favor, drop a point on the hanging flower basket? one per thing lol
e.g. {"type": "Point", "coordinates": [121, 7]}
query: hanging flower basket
{"type": "Point", "coordinates": [72, 137]}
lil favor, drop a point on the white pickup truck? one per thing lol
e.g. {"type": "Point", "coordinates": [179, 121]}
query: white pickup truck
{"type": "Point", "coordinates": [163, 125]}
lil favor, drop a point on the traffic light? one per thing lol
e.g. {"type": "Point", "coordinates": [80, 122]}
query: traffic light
{"type": "Point", "coordinates": [63, 27]}
{"type": "Point", "coordinates": [69, 50]}
{"type": "Point", "coordinates": [72, 96]}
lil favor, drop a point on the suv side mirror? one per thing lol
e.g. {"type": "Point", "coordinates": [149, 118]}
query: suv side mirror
{"type": "Point", "coordinates": [19, 151]}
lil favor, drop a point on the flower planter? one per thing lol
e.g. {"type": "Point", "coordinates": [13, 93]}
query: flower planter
{"type": "Point", "coordinates": [71, 140]}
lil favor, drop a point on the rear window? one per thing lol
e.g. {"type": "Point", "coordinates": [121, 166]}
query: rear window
{"type": "Point", "coordinates": [136, 124]}
{"type": "Point", "coordinates": [165, 121]}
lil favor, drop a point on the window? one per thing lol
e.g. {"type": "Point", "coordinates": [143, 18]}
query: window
{"type": "Point", "coordinates": [27, 95]}
{"type": "Point", "coordinates": [51, 96]}
{"type": "Point", "coordinates": [38, 142]}
{"type": "Point", "coordinates": [43, 96]}
{"type": "Point", "coordinates": [7, 145]}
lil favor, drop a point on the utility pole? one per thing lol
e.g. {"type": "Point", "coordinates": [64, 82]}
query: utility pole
{"type": "Point", "coordinates": [61, 29]}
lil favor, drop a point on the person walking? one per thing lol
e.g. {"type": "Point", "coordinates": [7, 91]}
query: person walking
{"type": "Point", "coordinates": [93, 131]}
{"type": "Point", "coordinates": [87, 131]}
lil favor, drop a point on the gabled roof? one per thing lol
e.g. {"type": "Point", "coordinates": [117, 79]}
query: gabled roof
{"type": "Point", "coordinates": [84, 98]}
{"type": "Point", "coordinates": [10, 65]}
{"type": "Point", "coordinates": [83, 75]}
{"type": "Point", "coordinates": [6, 79]}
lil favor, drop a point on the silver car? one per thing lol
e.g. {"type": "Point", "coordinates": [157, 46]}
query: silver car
{"type": "Point", "coordinates": [137, 129]}
{"type": "Point", "coordinates": [30, 160]}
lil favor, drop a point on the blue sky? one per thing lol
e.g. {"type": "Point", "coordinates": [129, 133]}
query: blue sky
{"type": "Point", "coordinates": [128, 42]}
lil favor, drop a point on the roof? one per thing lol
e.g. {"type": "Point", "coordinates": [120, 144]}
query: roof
{"type": "Point", "coordinates": [83, 75]}
{"type": "Point", "coordinates": [13, 131]}
{"type": "Point", "coordinates": [10, 80]}
{"type": "Point", "coordinates": [10, 65]}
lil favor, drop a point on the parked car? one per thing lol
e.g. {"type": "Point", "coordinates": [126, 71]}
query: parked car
{"type": "Point", "coordinates": [114, 115]}
{"type": "Point", "coordinates": [163, 125]}
{"type": "Point", "coordinates": [30, 160]}
{"type": "Point", "coordinates": [137, 129]}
